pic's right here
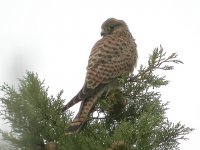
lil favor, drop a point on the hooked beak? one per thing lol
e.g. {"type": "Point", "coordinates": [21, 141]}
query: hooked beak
{"type": "Point", "coordinates": [103, 33]}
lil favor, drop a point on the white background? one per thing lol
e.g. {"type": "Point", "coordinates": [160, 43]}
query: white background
{"type": "Point", "coordinates": [54, 39]}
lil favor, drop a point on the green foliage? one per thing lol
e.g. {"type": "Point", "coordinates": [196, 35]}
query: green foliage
{"type": "Point", "coordinates": [134, 114]}
{"type": "Point", "coordinates": [32, 114]}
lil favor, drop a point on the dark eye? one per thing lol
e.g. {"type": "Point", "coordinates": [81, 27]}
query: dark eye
{"type": "Point", "coordinates": [112, 27]}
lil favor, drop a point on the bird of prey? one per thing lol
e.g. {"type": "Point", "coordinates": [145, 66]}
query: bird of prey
{"type": "Point", "coordinates": [113, 56]}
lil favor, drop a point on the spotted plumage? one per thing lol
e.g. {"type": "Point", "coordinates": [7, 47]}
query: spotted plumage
{"type": "Point", "coordinates": [114, 55]}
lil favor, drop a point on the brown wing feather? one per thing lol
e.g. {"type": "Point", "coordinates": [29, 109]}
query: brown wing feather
{"type": "Point", "coordinates": [83, 94]}
{"type": "Point", "coordinates": [111, 57]}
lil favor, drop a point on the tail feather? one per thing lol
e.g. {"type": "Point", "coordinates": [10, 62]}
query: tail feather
{"type": "Point", "coordinates": [83, 94]}
{"type": "Point", "coordinates": [72, 102]}
{"type": "Point", "coordinates": [82, 117]}
{"type": "Point", "coordinates": [75, 126]}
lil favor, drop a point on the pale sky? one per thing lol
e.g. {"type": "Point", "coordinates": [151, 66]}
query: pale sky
{"type": "Point", "coordinates": [54, 39]}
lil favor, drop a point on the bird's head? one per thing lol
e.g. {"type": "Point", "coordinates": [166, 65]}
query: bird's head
{"type": "Point", "coordinates": [112, 25]}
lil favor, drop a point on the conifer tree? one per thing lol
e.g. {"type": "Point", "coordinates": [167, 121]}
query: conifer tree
{"type": "Point", "coordinates": [132, 117]}
{"type": "Point", "coordinates": [34, 116]}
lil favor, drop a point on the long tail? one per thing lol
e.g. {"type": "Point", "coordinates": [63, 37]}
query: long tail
{"type": "Point", "coordinates": [73, 101]}
{"type": "Point", "coordinates": [85, 109]}
{"type": "Point", "coordinates": [83, 94]}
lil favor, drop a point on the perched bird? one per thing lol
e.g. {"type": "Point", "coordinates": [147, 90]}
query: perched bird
{"type": "Point", "coordinates": [113, 56]}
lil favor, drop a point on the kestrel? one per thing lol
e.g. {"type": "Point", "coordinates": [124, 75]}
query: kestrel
{"type": "Point", "coordinates": [113, 56]}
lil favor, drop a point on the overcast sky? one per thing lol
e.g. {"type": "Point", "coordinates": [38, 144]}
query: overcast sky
{"type": "Point", "coordinates": [54, 39]}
